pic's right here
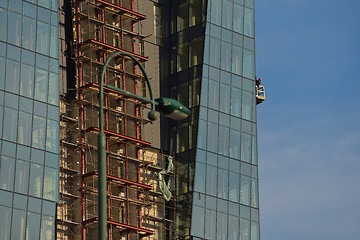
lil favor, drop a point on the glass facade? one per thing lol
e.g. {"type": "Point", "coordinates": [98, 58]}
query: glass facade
{"type": "Point", "coordinates": [29, 118]}
{"type": "Point", "coordinates": [213, 72]}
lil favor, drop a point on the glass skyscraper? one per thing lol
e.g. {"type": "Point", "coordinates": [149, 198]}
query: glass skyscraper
{"type": "Point", "coordinates": [29, 118]}
{"type": "Point", "coordinates": [200, 52]}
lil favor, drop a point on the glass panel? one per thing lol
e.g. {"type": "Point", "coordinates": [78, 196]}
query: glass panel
{"type": "Point", "coordinates": [195, 12]}
{"type": "Point", "coordinates": [51, 184]}
{"type": "Point", "coordinates": [254, 159]}
{"type": "Point", "coordinates": [225, 98]}
{"type": "Point", "coordinates": [227, 9]}
{"type": "Point", "coordinates": [202, 134]}
{"type": "Point", "coordinates": [244, 190]}
{"type": "Point", "coordinates": [33, 225]}
{"type": "Point", "coordinates": [54, 49]}
{"type": "Point", "coordinates": [20, 201]}
{"type": "Point", "coordinates": [224, 140]}
{"type": "Point", "coordinates": [199, 184]}
{"type": "Point", "coordinates": [7, 173]}
{"type": "Point", "coordinates": [244, 229]}
{"type": "Point", "coordinates": [2, 71]}
{"type": "Point", "coordinates": [5, 222]}
{"type": "Point", "coordinates": [29, 31]}
{"type": "Point", "coordinates": [213, 137]}
{"type": "Point", "coordinates": [3, 20]}
{"type": "Point", "coordinates": [9, 149]}
{"type": "Point", "coordinates": [28, 57]}
{"type": "Point", "coordinates": [6, 199]}
{"type": "Point", "coordinates": [27, 81]}
{"type": "Point", "coordinates": [204, 92]}
{"type": "Point", "coordinates": [210, 224]}
{"type": "Point", "coordinates": [234, 180]}
{"type": "Point", "coordinates": [52, 136]}
{"type": "Point", "coordinates": [255, 231]}
{"type": "Point", "coordinates": [182, 57]}
{"type": "Point", "coordinates": [11, 100]}
{"type": "Point", "coordinates": [234, 144]}
{"type": "Point", "coordinates": [237, 60]}
{"type": "Point", "coordinates": [235, 102]}
{"type": "Point", "coordinates": [215, 52]}
{"type": "Point", "coordinates": [254, 193]}
{"type": "Point", "coordinates": [54, 89]}
{"type": "Point", "coordinates": [182, 17]}
{"type": "Point", "coordinates": [29, 10]}
{"type": "Point", "coordinates": [10, 121]}
{"type": "Point", "coordinates": [41, 85]}
{"type": "Point", "coordinates": [12, 76]}
{"type": "Point", "coordinates": [48, 208]}
{"type": "Point", "coordinates": [37, 156]}
{"type": "Point", "coordinates": [52, 160]}
{"type": "Point", "coordinates": [221, 226]}
{"type": "Point", "coordinates": [223, 183]}
{"type": "Point", "coordinates": [211, 180]}
{"type": "Point", "coordinates": [22, 176]}
{"type": "Point", "coordinates": [249, 64]}
{"type": "Point", "coordinates": [226, 56]}
{"type": "Point", "coordinates": [197, 221]}
{"type": "Point", "coordinates": [216, 12]}
{"type": "Point", "coordinates": [238, 18]}
{"type": "Point", "coordinates": [43, 14]}
{"type": "Point", "coordinates": [34, 205]}
{"type": "Point", "coordinates": [43, 38]}
{"type": "Point", "coordinates": [213, 94]}
{"type": "Point", "coordinates": [18, 224]}
{"type": "Point", "coordinates": [45, 3]}
{"type": "Point", "coordinates": [36, 180]}
{"type": "Point", "coordinates": [38, 132]}
{"type": "Point", "coordinates": [245, 169]}
{"type": "Point", "coordinates": [247, 102]}
{"type": "Point", "coordinates": [249, 22]}
{"type": "Point", "coordinates": [24, 128]}
{"type": "Point", "coordinates": [47, 228]}
{"type": "Point", "coordinates": [196, 51]}
{"type": "Point", "coordinates": [23, 153]}
{"type": "Point", "coordinates": [233, 228]}
{"type": "Point", "coordinates": [14, 33]}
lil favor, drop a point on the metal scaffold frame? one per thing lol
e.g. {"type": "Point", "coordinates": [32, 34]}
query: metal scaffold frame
{"type": "Point", "coordinates": [136, 207]}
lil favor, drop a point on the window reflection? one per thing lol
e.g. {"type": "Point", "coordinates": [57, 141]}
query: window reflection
{"type": "Point", "coordinates": [234, 180]}
{"type": "Point", "coordinates": [237, 60]}
{"type": "Point", "coordinates": [233, 228]}
{"type": "Point", "coordinates": [52, 136]}
{"type": "Point", "coordinates": [3, 20]}
{"type": "Point", "coordinates": [227, 9]}
{"type": "Point", "coordinates": [223, 183]}
{"type": "Point", "coordinates": [22, 176]}
{"type": "Point", "coordinates": [43, 38]}
{"type": "Point", "coordinates": [244, 229]}
{"type": "Point", "coordinates": [249, 64]}
{"type": "Point", "coordinates": [226, 56]}
{"type": "Point", "coordinates": [12, 76]}
{"type": "Point", "coordinates": [247, 103]}
{"type": "Point", "coordinates": [33, 225]}
{"type": "Point", "coordinates": [41, 85]}
{"type": "Point", "coordinates": [211, 180]}
{"type": "Point", "coordinates": [221, 226]}
{"type": "Point", "coordinates": [18, 224]}
{"type": "Point", "coordinates": [246, 147]}
{"type": "Point", "coordinates": [10, 121]}
{"type": "Point", "coordinates": [36, 180]}
{"type": "Point", "coordinates": [210, 224]}
{"type": "Point", "coordinates": [14, 33]}
{"type": "Point", "coordinates": [216, 12]}
{"type": "Point", "coordinates": [199, 185]}
{"type": "Point", "coordinates": [249, 22]}
{"type": "Point", "coordinates": [24, 128]}
{"type": "Point", "coordinates": [29, 26]}
{"type": "Point", "coordinates": [38, 132]}
{"type": "Point", "coordinates": [213, 137]}
{"type": "Point", "coordinates": [238, 18]}
{"type": "Point", "coordinates": [245, 190]}
{"type": "Point", "coordinates": [51, 183]}
{"type": "Point", "coordinates": [5, 222]}
{"type": "Point", "coordinates": [47, 228]}
{"type": "Point", "coordinates": [7, 173]}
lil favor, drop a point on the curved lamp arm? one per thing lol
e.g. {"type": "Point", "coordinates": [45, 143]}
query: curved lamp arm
{"type": "Point", "coordinates": [152, 114]}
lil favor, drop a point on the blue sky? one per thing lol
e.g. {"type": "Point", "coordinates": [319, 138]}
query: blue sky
{"type": "Point", "coordinates": [308, 54]}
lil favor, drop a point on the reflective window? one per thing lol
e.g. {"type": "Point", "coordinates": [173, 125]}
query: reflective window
{"type": "Point", "coordinates": [221, 226]}
{"type": "Point", "coordinates": [215, 52]}
{"type": "Point", "coordinates": [43, 38]}
{"type": "Point", "coordinates": [2, 71]}
{"type": "Point", "coordinates": [244, 229]}
{"type": "Point", "coordinates": [227, 17]}
{"type": "Point", "coordinates": [24, 128]}
{"type": "Point", "coordinates": [48, 208]}
{"type": "Point", "coordinates": [38, 132]}
{"type": "Point", "coordinates": [34, 205]}
{"type": "Point", "coordinates": [18, 224]}
{"type": "Point", "coordinates": [237, 60]}
{"type": "Point", "coordinates": [23, 152]}
{"type": "Point", "coordinates": [29, 10]}
{"type": "Point", "coordinates": [182, 17]}
{"type": "Point", "coordinates": [28, 57]}
{"type": "Point", "coordinates": [210, 224]}
{"type": "Point", "coordinates": [5, 222]}
{"type": "Point", "coordinates": [224, 140]}
{"type": "Point", "coordinates": [235, 102]}
{"type": "Point", "coordinates": [233, 228]}
{"type": "Point", "coordinates": [255, 231]}
{"type": "Point", "coordinates": [213, 137]}
{"type": "Point", "coordinates": [33, 226]}
{"type": "Point", "coordinates": [14, 33]}
{"type": "Point", "coordinates": [51, 182]}
{"type": "Point", "coordinates": [249, 22]}
{"type": "Point", "coordinates": [41, 85]}
{"type": "Point", "coordinates": [15, 5]}
{"type": "Point", "coordinates": [202, 134]}
{"type": "Point", "coordinates": [3, 20]}
{"type": "Point", "coordinates": [216, 12]}
{"type": "Point", "coordinates": [27, 81]}
{"type": "Point", "coordinates": [12, 76]}
{"type": "Point", "coordinates": [45, 3]}
{"type": "Point", "coordinates": [52, 160]}
{"type": "Point", "coordinates": [7, 173]}
{"type": "Point", "coordinates": [54, 89]}
{"type": "Point", "coordinates": [29, 26]}
{"type": "Point", "coordinates": [245, 190]}
{"type": "Point", "coordinates": [249, 64]}
{"type": "Point", "coordinates": [10, 121]}
{"type": "Point", "coordinates": [226, 56]}
{"type": "Point", "coordinates": [197, 223]}
{"type": "Point", "coordinates": [234, 180]}
{"type": "Point", "coordinates": [36, 180]}
{"type": "Point", "coordinates": [199, 184]}
{"type": "Point", "coordinates": [254, 151]}
{"type": "Point", "coordinates": [11, 100]}
{"type": "Point", "coordinates": [9, 149]}
{"type": "Point", "coordinates": [247, 103]}
{"type": "Point", "coordinates": [223, 183]}
{"type": "Point", "coordinates": [6, 198]}
{"type": "Point", "coordinates": [238, 18]}
{"type": "Point", "coordinates": [196, 51]}
{"type": "Point", "coordinates": [213, 94]}
{"type": "Point", "coordinates": [204, 92]}
{"type": "Point", "coordinates": [211, 180]}
{"type": "Point", "coordinates": [225, 98]}
{"type": "Point", "coordinates": [254, 193]}
{"type": "Point", "coordinates": [211, 159]}
{"type": "Point", "coordinates": [40, 109]}
{"type": "Point", "coordinates": [234, 144]}
{"type": "Point", "coordinates": [26, 105]}
{"type": "Point", "coordinates": [22, 176]}
{"type": "Point", "coordinates": [20, 201]}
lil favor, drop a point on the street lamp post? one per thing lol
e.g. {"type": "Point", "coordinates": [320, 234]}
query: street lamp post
{"type": "Point", "coordinates": [170, 107]}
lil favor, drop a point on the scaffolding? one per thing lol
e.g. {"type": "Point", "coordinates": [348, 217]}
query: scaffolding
{"type": "Point", "coordinates": [136, 207]}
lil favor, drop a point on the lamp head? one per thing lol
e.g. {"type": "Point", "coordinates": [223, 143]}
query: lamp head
{"type": "Point", "coordinates": [172, 108]}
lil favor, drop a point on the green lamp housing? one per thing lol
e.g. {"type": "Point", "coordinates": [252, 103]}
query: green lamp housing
{"type": "Point", "coordinates": [171, 108]}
